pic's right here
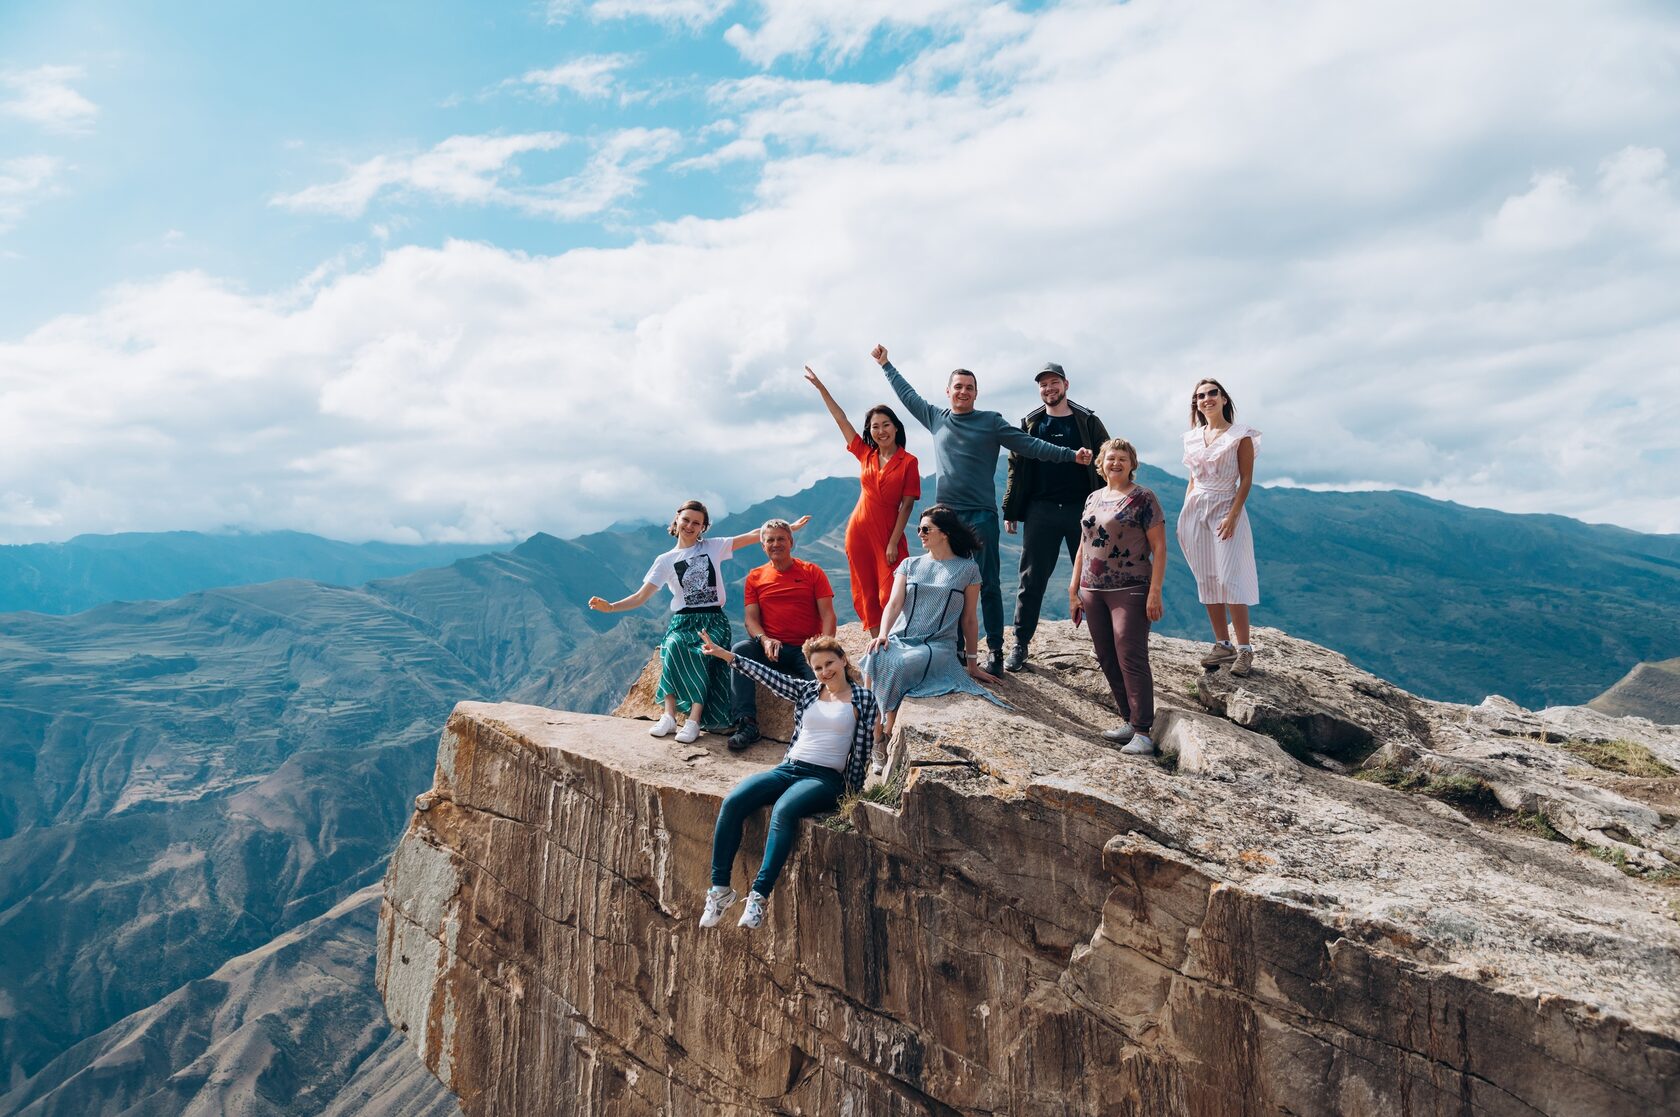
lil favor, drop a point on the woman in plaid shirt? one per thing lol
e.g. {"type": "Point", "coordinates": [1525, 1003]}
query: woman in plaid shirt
{"type": "Point", "coordinates": [834, 720]}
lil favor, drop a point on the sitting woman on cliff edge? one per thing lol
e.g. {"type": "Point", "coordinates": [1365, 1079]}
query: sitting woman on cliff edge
{"type": "Point", "coordinates": [690, 571]}
{"type": "Point", "coordinates": [833, 726]}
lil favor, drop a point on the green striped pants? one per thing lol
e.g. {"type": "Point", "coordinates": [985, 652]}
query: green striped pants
{"type": "Point", "coordinates": [692, 675]}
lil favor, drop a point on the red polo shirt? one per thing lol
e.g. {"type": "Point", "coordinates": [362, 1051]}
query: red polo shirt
{"type": "Point", "coordinates": [787, 600]}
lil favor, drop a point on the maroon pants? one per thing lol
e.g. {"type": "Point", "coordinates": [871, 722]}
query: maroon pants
{"type": "Point", "coordinates": [1119, 624]}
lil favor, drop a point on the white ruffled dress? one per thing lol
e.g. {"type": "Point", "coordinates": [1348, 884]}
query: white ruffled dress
{"type": "Point", "coordinates": [1224, 568]}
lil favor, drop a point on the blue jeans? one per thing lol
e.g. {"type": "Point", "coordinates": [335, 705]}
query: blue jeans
{"type": "Point", "coordinates": [744, 692]}
{"type": "Point", "coordinates": [792, 790]}
{"type": "Point", "coordinates": [984, 523]}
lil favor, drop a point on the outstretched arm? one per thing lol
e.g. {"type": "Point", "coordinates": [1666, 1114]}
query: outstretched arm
{"type": "Point", "coordinates": [912, 400]}
{"type": "Point", "coordinates": [785, 685]}
{"type": "Point", "coordinates": [840, 420]}
{"type": "Point", "coordinates": [635, 600]}
{"type": "Point", "coordinates": [1019, 441]}
{"type": "Point", "coordinates": [748, 538]}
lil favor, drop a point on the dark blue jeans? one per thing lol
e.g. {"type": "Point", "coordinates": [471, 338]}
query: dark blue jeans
{"type": "Point", "coordinates": [743, 691]}
{"type": "Point", "coordinates": [792, 790]}
{"type": "Point", "coordinates": [984, 522]}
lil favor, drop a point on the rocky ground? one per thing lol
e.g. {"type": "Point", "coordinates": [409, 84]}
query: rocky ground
{"type": "Point", "coordinates": [1326, 897]}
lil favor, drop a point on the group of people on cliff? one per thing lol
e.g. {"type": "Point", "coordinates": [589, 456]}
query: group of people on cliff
{"type": "Point", "coordinates": [1070, 486]}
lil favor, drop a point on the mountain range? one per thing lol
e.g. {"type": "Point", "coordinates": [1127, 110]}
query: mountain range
{"type": "Point", "coordinates": [194, 792]}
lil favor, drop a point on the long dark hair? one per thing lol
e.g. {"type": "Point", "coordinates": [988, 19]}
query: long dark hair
{"type": "Point", "coordinates": [961, 537]}
{"type": "Point", "coordinates": [892, 416]}
{"type": "Point", "coordinates": [1196, 419]}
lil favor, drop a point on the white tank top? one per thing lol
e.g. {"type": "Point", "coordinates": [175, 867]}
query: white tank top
{"type": "Point", "coordinates": [825, 735]}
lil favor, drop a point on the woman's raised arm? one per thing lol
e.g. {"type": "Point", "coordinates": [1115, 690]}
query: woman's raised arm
{"type": "Point", "coordinates": [840, 419]}
{"type": "Point", "coordinates": [635, 600]}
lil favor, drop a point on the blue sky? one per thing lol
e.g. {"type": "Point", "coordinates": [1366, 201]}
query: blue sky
{"type": "Point", "coordinates": [471, 271]}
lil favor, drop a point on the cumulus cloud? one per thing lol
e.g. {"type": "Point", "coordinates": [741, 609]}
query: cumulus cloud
{"type": "Point", "coordinates": [1413, 268]}
{"type": "Point", "coordinates": [592, 76]}
{"type": "Point", "coordinates": [44, 97]}
{"type": "Point", "coordinates": [480, 170]}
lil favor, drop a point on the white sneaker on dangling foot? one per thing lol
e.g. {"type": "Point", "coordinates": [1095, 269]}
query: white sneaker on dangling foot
{"type": "Point", "coordinates": [718, 899]}
{"type": "Point", "coordinates": [663, 726]}
{"type": "Point", "coordinates": [689, 733]}
{"type": "Point", "coordinates": [754, 914]}
{"type": "Point", "coordinates": [1141, 746]}
{"type": "Point", "coordinates": [877, 761]}
{"type": "Point", "coordinates": [1121, 732]}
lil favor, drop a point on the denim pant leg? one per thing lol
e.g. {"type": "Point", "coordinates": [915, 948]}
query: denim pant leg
{"type": "Point", "coordinates": [743, 697]}
{"type": "Point", "coordinates": [810, 794]}
{"type": "Point", "coordinates": [984, 522]}
{"type": "Point", "coordinates": [747, 796]}
{"type": "Point", "coordinates": [791, 661]}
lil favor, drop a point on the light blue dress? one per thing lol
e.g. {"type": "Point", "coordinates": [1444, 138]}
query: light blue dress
{"type": "Point", "coordinates": [920, 659]}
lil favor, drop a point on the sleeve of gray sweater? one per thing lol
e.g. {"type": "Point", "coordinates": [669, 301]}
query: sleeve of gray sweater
{"type": "Point", "coordinates": [924, 412]}
{"type": "Point", "coordinates": [1018, 440]}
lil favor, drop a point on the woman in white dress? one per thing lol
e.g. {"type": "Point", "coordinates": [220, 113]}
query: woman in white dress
{"type": "Point", "coordinates": [1213, 528]}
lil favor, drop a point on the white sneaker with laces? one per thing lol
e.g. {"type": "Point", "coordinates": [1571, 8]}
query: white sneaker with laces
{"type": "Point", "coordinates": [1141, 746]}
{"type": "Point", "coordinates": [689, 733]}
{"type": "Point", "coordinates": [1121, 732]}
{"type": "Point", "coordinates": [718, 899]}
{"type": "Point", "coordinates": [663, 726]}
{"type": "Point", "coordinates": [754, 913]}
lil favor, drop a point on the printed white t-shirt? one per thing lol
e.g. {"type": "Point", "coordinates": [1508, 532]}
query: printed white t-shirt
{"type": "Point", "coordinates": [691, 574]}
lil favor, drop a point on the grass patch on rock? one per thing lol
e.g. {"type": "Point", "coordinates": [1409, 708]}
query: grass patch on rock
{"type": "Point", "coordinates": [888, 793]}
{"type": "Point", "coordinates": [1466, 792]}
{"type": "Point", "coordinates": [1625, 758]}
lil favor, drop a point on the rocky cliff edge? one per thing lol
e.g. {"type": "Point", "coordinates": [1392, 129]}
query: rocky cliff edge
{"type": "Point", "coordinates": [1328, 897]}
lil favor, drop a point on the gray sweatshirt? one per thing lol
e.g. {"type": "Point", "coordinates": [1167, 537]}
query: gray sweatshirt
{"type": "Point", "coordinates": [966, 446]}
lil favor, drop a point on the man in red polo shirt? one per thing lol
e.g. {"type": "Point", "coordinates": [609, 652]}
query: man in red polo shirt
{"type": "Point", "coordinates": [788, 601]}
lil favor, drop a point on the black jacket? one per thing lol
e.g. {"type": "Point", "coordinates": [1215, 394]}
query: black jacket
{"type": "Point", "coordinates": [1017, 492]}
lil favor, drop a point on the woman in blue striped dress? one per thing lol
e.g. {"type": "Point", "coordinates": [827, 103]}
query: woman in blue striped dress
{"type": "Point", "coordinates": [687, 679]}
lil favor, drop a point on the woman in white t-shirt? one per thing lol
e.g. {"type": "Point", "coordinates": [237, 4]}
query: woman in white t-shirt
{"type": "Point", "coordinates": [690, 570]}
{"type": "Point", "coordinates": [834, 719]}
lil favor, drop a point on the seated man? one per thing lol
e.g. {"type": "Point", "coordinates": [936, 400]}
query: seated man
{"type": "Point", "coordinates": [788, 601]}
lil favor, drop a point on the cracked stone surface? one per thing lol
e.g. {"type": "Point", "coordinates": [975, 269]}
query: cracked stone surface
{"type": "Point", "coordinates": [1044, 926]}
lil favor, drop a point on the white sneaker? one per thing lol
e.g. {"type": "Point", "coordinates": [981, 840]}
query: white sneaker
{"type": "Point", "coordinates": [689, 733]}
{"type": "Point", "coordinates": [1121, 732]}
{"type": "Point", "coordinates": [754, 915]}
{"type": "Point", "coordinates": [1141, 746]}
{"type": "Point", "coordinates": [663, 726]}
{"type": "Point", "coordinates": [718, 898]}
{"type": "Point", "coordinates": [877, 761]}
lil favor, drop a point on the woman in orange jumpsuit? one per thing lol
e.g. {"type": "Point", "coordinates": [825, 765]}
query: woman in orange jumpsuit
{"type": "Point", "coordinates": [892, 483]}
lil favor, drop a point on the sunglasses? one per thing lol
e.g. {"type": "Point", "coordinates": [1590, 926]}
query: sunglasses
{"type": "Point", "coordinates": [923, 529]}
{"type": "Point", "coordinates": [1211, 393]}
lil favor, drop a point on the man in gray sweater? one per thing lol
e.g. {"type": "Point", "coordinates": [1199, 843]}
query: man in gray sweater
{"type": "Point", "coordinates": [966, 444]}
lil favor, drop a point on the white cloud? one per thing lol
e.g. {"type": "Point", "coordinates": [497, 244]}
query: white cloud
{"type": "Point", "coordinates": [24, 180]}
{"type": "Point", "coordinates": [841, 29]}
{"type": "Point", "coordinates": [1429, 247]}
{"type": "Point", "coordinates": [43, 96]}
{"type": "Point", "coordinates": [593, 76]}
{"type": "Point", "coordinates": [479, 170]}
{"type": "Point", "coordinates": [691, 13]}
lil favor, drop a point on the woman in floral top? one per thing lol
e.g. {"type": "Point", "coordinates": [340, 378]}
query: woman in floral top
{"type": "Point", "coordinates": [1117, 585]}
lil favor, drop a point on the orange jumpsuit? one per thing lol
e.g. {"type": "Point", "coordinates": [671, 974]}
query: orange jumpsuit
{"type": "Point", "coordinates": [872, 522]}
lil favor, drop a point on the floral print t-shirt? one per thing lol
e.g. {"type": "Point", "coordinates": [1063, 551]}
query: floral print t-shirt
{"type": "Point", "coordinates": [1116, 527]}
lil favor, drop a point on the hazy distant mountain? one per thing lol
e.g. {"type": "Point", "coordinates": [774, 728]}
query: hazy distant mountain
{"type": "Point", "coordinates": [183, 783]}
{"type": "Point", "coordinates": [90, 570]}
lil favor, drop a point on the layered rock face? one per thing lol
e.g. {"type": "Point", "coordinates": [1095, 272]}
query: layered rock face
{"type": "Point", "coordinates": [1039, 925]}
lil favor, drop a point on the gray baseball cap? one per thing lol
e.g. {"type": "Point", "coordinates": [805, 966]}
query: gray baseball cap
{"type": "Point", "coordinates": [1051, 368]}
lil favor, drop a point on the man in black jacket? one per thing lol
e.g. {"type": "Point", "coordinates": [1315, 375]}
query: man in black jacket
{"type": "Point", "coordinates": [1048, 497]}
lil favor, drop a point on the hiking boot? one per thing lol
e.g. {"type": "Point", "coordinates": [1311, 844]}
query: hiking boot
{"type": "Point", "coordinates": [663, 727]}
{"type": "Point", "coordinates": [1120, 733]}
{"type": "Point", "coordinates": [689, 733]}
{"type": "Point", "coordinates": [1244, 663]}
{"type": "Point", "coordinates": [994, 663]}
{"type": "Point", "coordinates": [1141, 746]}
{"type": "Point", "coordinates": [718, 899]}
{"type": "Point", "coordinates": [1017, 657]}
{"type": "Point", "coordinates": [1221, 653]}
{"type": "Point", "coordinates": [754, 914]}
{"type": "Point", "coordinates": [745, 734]}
